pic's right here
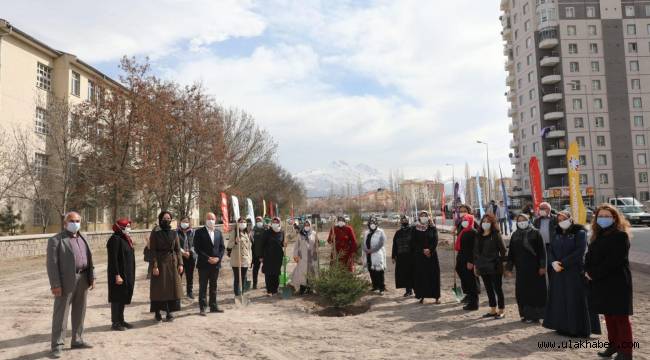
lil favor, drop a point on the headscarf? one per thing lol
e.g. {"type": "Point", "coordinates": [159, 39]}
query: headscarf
{"type": "Point", "coordinates": [422, 227]}
{"type": "Point", "coordinates": [470, 226]}
{"type": "Point", "coordinates": [160, 219]}
{"type": "Point", "coordinates": [119, 227]}
{"type": "Point", "coordinates": [401, 221]}
{"type": "Point", "coordinates": [304, 232]}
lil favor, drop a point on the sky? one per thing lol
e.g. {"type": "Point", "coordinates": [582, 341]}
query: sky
{"type": "Point", "coordinates": [392, 84]}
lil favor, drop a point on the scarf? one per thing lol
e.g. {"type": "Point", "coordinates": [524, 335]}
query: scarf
{"type": "Point", "coordinates": [470, 225]}
{"type": "Point", "coordinates": [118, 231]}
{"type": "Point", "coordinates": [421, 227]}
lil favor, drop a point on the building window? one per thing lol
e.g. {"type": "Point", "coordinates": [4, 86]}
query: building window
{"type": "Point", "coordinates": [600, 122]}
{"type": "Point", "coordinates": [529, 59]}
{"type": "Point", "coordinates": [583, 160]}
{"type": "Point", "coordinates": [591, 11]}
{"type": "Point", "coordinates": [573, 48]}
{"type": "Point", "coordinates": [92, 90]}
{"type": "Point", "coordinates": [580, 140]}
{"type": "Point", "coordinates": [569, 12]}
{"type": "Point", "coordinates": [578, 123]}
{"type": "Point", "coordinates": [40, 163]}
{"type": "Point", "coordinates": [644, 195]}
{"type": "Point", "coordinates": [575, 85]}
{"type": "Point", "coordinates": [525, 9]}
{"type": "Point", "coordinates": [641, 159]}
{"type": "Point", "coordinates": [40, 121]}
{"type": "Point", "coordinates": [602, 160]}
{"type": "Point", "coordinates": [643, 177]}
{"type": "Point", "coordinates": [593, 48]}
{"type": "Point", "coordinates": [75, 84]}
{"type": "Point", "coordinates": [600, 140]}
{"type": "Point", "coordinates": [571, 30]}
{"type": "Point", "coordinates": [595, 84]}
{"type": "Point", "coordinates": [632, 48]}
{"type": "Point", "coordinates": [535, 147]}
{"type": "Point", "coordinates": [604, 180]}
{"type": "Point", "coordinates": [43, 76]}
{"type": "Point", "coordinates": [634, 65]}
{"type": "Point", "coordinates": [521, 99]}
{"type": "Point", "coordinates": [593, 31]}
{"type": "Point", "coordinates": [530, 77]}
{"type": "Point", "coordinates": [527, 25]}
{"type": "Point", "coordinates": [531, 94]}
{"type": "Point", "coordinates": [516, 34]}
{"type": "Point", "coordinates": [574, 67]}
{"type": "Point", "coordinates": [636, 84]}
{"type": "Point", "coordinates": [518, 83]}
{"type": "Point", "coordinates": [598, 103]}
{"type": "Point", "coordinates": [577, 104]}
{"type": "Point", "coordinates": [638, 121]}
{"type": "Point", "coordinates": [517, 50]}
{"type": "Point", "coordinates": [583, 179]}
{"type": "Point", "coordinates": [629, 11]}
{"type": "Point", "coordinates": [631, 29]}
{"type": "Point", "coordinates": [523, 151]}
{"type": "Point", "coordinates": [640, 139]}
{"type": "Point", "coordinates": [523, 136]}
{"type": "Point", "coordinates": [648, 29]}
{"type": "Point", "coordinates": [636, 103]}
{"type": "Point", "coordinates": [595, 66]}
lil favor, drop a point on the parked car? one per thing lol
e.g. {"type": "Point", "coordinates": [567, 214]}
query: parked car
{"type": "Point", "coordinates": [635, 215]}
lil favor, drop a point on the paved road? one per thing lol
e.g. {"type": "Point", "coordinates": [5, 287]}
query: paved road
{"type": "Point", "coordinates": [640, 239]}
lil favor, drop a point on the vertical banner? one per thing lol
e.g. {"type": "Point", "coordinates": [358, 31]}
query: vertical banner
{"type": "Point", "coordinates": [535, 182]}
{"type": "Point", "coordinates": [455, 203]}
{"type": "Point", "coordinates": [479, 195]}
{"type": "Point", "coordinates": [224, 213]}
{"type": "Point", "coordinates": [505, 198]}
{"type": "Point", "coordinates": [575, 194]}
{"type": "Point", "coordinates": [277, 210]}
{"type": "Point", "coordinates": [235, 207]}
{"type": "Point", "coordinates": [271, 209]}
{"type": "Point", "coordinates": [251, 212]}
{"type": "Point", "coordinates": [263, 208]}
{"type": "Point", "coordinates": [292, 215]}
{"type": "Point", "coordinates": [442, 206]}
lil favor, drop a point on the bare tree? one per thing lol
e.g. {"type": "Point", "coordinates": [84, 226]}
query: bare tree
{"type": "Point", "coordinates": [12, 169]}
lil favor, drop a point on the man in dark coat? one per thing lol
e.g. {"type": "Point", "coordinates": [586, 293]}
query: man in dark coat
{"type": "Point", "coordinates": [209, 245]}
{"type": "Point", "coordinates": [186, 240]}
{"type": "Point", "coordinates": [121, 272]}
{"type": "Point", "coordinates": [403, 257]}
{"type": "Point", "coordinates": [273, 253]}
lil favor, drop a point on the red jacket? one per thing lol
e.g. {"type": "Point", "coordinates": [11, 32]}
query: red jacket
{"type": "Point", "coordinates": [346, 244]}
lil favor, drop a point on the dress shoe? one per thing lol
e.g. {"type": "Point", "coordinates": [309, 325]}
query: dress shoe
{"type": "Point", "coordinates": [81, 345]}
{"type": "Point", "coordinates": [611, 350]}
{"type": "Point", "coordinates": [490, 315]}
{"type": "Point", "coordinates": [216, 310]}
{"type": "Point", "coordinates": [499, 316]}
{"type": "Point", "coordinates": [202, 312]}
{"type": "Point", "coordinates": [169, 317]}
{"type": "Point", "coordinates": [118, 327]}
{"type": "Point", "coordinates": [127, 325]}
{"type": "Point", "coordinates": [158, 317]}
{"type": "Point", "coordinates": [470, 307]}
{"type": "Point", "coordinates": [190, 296]}
{"type": "Point", "coordinates": [56, 353]}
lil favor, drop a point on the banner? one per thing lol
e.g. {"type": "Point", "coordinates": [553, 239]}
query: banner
{"type": "Point", "coordinates": [271, 209]}
{"type": "Point", "coordinates": [575, 195]}
{"type": "Point", "coordinates": [455, 203]}
{"type": "Point", "coordinates": [235, 207]}
{"type": "Point", "coordinates": [224, 213]}
{"type": "Point", "coordinates": [277, 210]}
{"type": "Point", "coordinates": [292, 215]}
{"type": "Point", "coordinates": [479, 195]}
{"type": "Point", "coordinates": [263, 208]}
{"type": "Point", "coordinates": [505, 198]}
{"type": "Point", "coordinates": [443, 205]}
{"type": "Point", "coordinates": [251, 211]}
{"type": "Point", "coordinates": [535, 182]}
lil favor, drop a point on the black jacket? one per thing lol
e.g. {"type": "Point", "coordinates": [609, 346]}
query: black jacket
{"type": "Point", "coordinates": [205, 249]}
{"type": "Point", "coordinates": [121, 261]}
{"type": "Point", "coordinates": [189, 237]}
{"type": "Point", "coordinates": [467, 242]}
{"type": "Point", "coordinates": [489, 253]}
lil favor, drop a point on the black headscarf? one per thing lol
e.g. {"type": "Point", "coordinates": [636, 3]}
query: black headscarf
{"type": "Point", "coordinates": [165, 224]}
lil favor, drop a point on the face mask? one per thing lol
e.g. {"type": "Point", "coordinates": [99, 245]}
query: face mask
{"type": "Point", "coordinates": [275, 227]}
{"type": "Point", "coordinates": [209, 223]}
{"type": "Point", "coordinates": [565, 224]}
{"type": "Point", "coordinates": [340, 224]}
{"type": "Point", "coordinates": [405, 224]}
{"type": "Point", "coordinates": [127, 230]}
{"type": "Point", "coordinates": [462, 215]}
{"type": "Point", "coordinates": [307, 228]}
{"type": "Point", "coordinates": [73, 227]}
{"type": "Point", "coordinates": [259, 224]}
{"type": "Point", "coordinates": [605, 222]}
{"type": "Point", "coordinates": [165, 223]}
{"type": "Point", "coordinates": [184, 225]}
{"type": "Point", "coordinates": [486, 226]}
{"type": "Point", "coordinates": [522, 224]}
{"type": "Point", "coordinates": [373, 226]}
{"type": "Point", "coordinates": [424, 220]}
{"type": "Point", "coordinates": [543, 213]}
{"type": "Point", "coordinates": [242, 226]}
{"type": "Point", "coordinates": [464, 224]}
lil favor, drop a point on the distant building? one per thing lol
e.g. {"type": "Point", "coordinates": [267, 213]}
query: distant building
{"type": "Point", "coordinates": [423, 193]}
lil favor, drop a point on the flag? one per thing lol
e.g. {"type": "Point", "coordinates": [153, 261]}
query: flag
{"type": "Point", "coordinates": [271, 209]}
{"type": "Point", "coordinates": [455, 202]}
{"type": "Point", "coordinates": [251, 211]}
{"type": "Point", "coordinates": [292, 214]}
{"type": "Point", "coordinates": [575, 194]}
{"type": "Point", "coordinates": [264, 208]}
{"type": "Point", "coordinates": [235, 207]}
{"type": "Point", "coordinates": [505, 198]}
{"type": "Point", "coordinates": [277, 210]}
{"type": "Point", "coordinates": [224, 213]}
{"type": "Point", "coordinates": [535, 182]}
{"type": "Point", "coordinates": [479, 195]}
{"type": "Point", "coordinates": [444, 215]}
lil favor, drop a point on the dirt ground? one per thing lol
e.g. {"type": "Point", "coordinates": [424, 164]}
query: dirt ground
{"type": "Point", "coordinates": [273, 328]}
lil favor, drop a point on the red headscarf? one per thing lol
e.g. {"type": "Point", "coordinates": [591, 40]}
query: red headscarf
{"type": "Point", "coordinates": [470, 226]}
{"type": "Point", "coordinates": [119, 227]}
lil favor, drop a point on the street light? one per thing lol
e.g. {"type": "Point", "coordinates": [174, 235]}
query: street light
{"type": "Point", "coordinates": [487, 157]}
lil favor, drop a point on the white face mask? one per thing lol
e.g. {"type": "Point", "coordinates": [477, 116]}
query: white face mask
{"type": "Point", "coordinates": [486, 226]}
{"type": "Point", "coordinates": [184, 225]}
{"type": "Point", "coordinates": [307, 228]}
{"type": "Point", "coordinates": [259, 224]}
{"type": "Point", "coordinates": [464, 224]}
{"type": "Point", "coordinates": [424, 220]}
{"type": "Point", "coordinates": [373, 226]}
{"type": "Point", "coordinates": [462, 215]}
{"type": "Point", "coordinates": [210, 223]}
{"type": "Point", "coordinates": [242, 226]}
{"type": "Point", "coordinates": [522, 224]}
{"type": "Point", "coordinates": [340, 224]}
{"type": "Point", "coordinates": [543, 213]}
{"type": "Point", "coordinates": [565, 224]}
{"type": "Point", "coordinates": [127, 230]}
{"type": "Point", "coordinates": [73, 227]}
{"type": "Point", "coordinates": [275, 227]}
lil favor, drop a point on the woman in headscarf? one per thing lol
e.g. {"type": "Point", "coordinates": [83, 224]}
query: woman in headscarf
{"type": "Point", "coordinates": [567, 311]}
{"type": "Point", "coordinates": [526, 253]}
{"type": "Point", "coordinates": [273, 245]}
{"type": "Point", "coordinates": [121, 272]}
{"type": "Point", "coordinates": [345, 243]}
{"type": "Point", "coordinates": [465, 261]}
{"type": "Point", "coordinates": [607, 268]}
{"type": "Point", "coordinates": [374, 251]}
{"type": "Point", "coordinates": [166, 290]}
{"type": "Point", "coordinates": [240, 254]}
{"type": "Point", "coordinates": [305, 254]}
{"type": "Point", "coordinates": [403, 257]}
{"type": "Point", "coordinates": [424, 242]}
{"type": "Point", "coordinates": [489, 255]}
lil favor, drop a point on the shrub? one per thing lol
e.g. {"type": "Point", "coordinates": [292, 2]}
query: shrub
{"type": "Point", "coordinates": [356, 222]}
{"type": "Point", "coordinates": [339, 287]}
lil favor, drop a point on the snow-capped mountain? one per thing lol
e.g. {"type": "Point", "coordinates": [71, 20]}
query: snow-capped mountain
{"type": "Point", "coordinates": [338, 175]}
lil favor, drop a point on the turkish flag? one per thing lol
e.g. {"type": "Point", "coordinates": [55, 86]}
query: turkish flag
{"type": "Point", "coordinates": [224, 212]}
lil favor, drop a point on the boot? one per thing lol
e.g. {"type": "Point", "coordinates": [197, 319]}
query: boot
{"type": "Point", "coordinates": [622, 356]}
{"type": "Point", "coordinates": [611, 350]}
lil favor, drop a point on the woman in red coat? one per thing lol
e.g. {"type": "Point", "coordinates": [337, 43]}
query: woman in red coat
{"type": "Point", "coordinates": [345, 248]}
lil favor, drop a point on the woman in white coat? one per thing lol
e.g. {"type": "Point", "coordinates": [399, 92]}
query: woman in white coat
{"type": "Point", "coordinates": [305, 254]}
{"type": "Point", "coordinates": [240, 253]}
{"type": "Point", "coordinates": [374, 249]}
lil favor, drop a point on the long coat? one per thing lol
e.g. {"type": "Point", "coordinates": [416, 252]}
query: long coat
{"type": "Point", "coordinates": [305, 247]}
{"type": "Point", "coordinates": [345, 245]}
{"type": "Point", "coordinates": [166, 255]}
{"type": "Point", "coordinates": [527, 254]}
{"type": "Point", "coordinates": [608, 266]}
{"type": "Point", "coordinates": [427, 269]}
{"type": "Point", "coordinates": [273, 250]}
{"type": "Point", "coordinates": [121, 261]}
{"type": "Point", "coordinates": [246, 253]}
{"type": "Point", "coordinates": [567, 310]}
{"type": "Point", "coordinates": [404, 258]}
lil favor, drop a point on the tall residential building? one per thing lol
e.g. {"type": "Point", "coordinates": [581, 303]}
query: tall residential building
{"type": "Point", "coordinates": [579, 70]}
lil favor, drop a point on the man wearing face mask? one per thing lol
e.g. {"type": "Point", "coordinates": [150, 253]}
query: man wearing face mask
{"type": "Point", "coordinates": [546, 223]}
{"type": "Point", "coordinates": [186, 238]}
{"type": "Point", "coordinates": [258, 250]}
{"type": "Point", "coordinates": [273, 253]}
{"type": "Point", "coordinates": [375, 254]}
{"type": "Point", "coordinates": [209, 245]}
{"type": "Point", "coordinates": [345, 243]}
{"type": "Point", "coordinates": [70, 272]}
{"type": "Point", "coordinates": [403, 257]}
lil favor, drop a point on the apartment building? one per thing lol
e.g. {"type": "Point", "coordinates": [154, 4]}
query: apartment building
{"type": "Point", "coordinates": [579, 70]}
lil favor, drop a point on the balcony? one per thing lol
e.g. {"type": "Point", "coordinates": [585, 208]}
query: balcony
{"type": "Point", "coordinates": [554, 115]}
{"type": "Point", "coordinates": [513, 127]}
{"type": "Point", "coordinates": [512, 96]}
{"type": "Point", "coordinates": [514, 160]}
{"type": "Point", "coordinates": [549, 61]}
{"type": "Point", "coordinates": [557, 171]}
{"type": "Point", "coordinates": [514, 143]}
{"type": "Point", "coordinates": [516, 176]}
{"type": "Point", "coordinates": [551, 79]}
{"type": "Point", "coordinates": [556, 152]}
{"type": "Point", "coordinates": [509, 65]}
{"type": "Point", "coordinates": [554, 134]}
{"type": "Point", "coordinates": [510, 80]}
{"type": "Point", "coordinates": [512, 111]}
{"type": "Point", "coordinates": [548, 38]}
{"type": "Point", "coordinates": [507, 33]}
{"type": "Point", "coordinates": [507, 49]}
{"type": "Point", "coordinates": [552, 95]}
{"type": "Point", "coordinates": [505, 5]}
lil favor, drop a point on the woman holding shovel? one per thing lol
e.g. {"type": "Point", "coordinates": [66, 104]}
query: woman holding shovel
{"type": "Point", "coordinates": [239, 252]}
{"type": "Point", "coordinates": [305, 254]}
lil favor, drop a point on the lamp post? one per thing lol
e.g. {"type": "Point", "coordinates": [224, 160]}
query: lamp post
{"type": "Point", "coordinates": [487, 157]}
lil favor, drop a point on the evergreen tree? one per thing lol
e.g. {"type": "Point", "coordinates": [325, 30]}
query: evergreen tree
{"type": "Point", "coordinates": [10, 222]}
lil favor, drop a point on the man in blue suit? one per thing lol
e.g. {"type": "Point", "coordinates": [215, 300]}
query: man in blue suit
{"type": "Point", "coordinates": [209, 245]}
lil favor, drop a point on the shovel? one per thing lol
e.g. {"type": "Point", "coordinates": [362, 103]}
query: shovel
{"type": "Point", "coordinates": [287, 291]}
{"type": "Point", "coordinates": [457, 291]}
{"type": "Point", "coordinates": [243, 297]}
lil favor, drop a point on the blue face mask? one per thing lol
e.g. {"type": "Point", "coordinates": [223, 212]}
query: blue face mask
{"type": "Point", "coordinates": [605, 222]}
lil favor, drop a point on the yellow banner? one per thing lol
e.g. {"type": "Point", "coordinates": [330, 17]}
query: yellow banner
{"type": "Point", "coordinates": [578, 210]}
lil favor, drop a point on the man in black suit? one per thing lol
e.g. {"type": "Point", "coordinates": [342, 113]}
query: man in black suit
{"type": "Point", "coordinates": [209, 245]}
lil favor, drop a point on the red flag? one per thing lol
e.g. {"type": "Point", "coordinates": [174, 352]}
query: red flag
{"type": "Point", "coordinates": [444, 216]}
{"type": "Point", "coordinates": [271, 211]}
{"type": "Point", "coordinates": [535, 182]}
{"type": "Point", "coordinates": [224, 212]}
